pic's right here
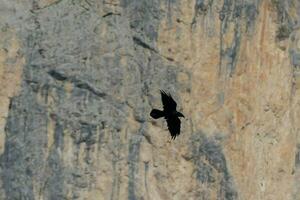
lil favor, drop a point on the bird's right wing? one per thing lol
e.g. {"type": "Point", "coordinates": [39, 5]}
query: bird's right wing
{"type": "Point", "coordinates": [168, 102]}
{"type": "Point", "coordinates": [174, 126]}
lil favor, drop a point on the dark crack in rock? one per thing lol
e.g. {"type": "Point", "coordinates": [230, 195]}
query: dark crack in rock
{"type": "Point", "coordinates": [209, 158]}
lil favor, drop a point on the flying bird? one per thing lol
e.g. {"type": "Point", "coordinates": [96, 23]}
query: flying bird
{"type": "Point", "coordinates": [169, 113]}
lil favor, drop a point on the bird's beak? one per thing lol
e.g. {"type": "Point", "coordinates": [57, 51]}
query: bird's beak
{"type": "Point", "coordinates": [180, 115]}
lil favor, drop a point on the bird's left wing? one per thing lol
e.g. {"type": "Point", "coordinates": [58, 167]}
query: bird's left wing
{"type": "Point", "coordinates": [168, 102]}
{"type": "Point", "coordinates": [174, 126]}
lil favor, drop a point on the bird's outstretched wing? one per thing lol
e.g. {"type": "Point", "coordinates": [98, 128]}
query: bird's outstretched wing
{"type": "Point", "coordinates": [168, 102]}
{"type": "Point", "coordinates": [174, 126]}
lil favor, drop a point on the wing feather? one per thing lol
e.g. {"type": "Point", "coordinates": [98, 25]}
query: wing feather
{"type": "Point", "coordinates": [174, 126]}
{"type": "Point", "coordinates": [168, 102]}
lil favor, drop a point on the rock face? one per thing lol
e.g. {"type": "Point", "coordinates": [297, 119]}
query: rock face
{"type": "Point", "coordinates": [79, 78]}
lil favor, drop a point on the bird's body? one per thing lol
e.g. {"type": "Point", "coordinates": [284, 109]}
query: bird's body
{"type": "Point", "coordinates": [169, 113]}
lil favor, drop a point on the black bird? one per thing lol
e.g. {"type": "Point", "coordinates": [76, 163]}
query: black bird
{"type": "Point", "coordinates": [169, 113]}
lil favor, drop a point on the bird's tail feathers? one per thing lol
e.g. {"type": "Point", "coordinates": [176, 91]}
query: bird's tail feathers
{"type": "Point", "coordinates": [156, 113]}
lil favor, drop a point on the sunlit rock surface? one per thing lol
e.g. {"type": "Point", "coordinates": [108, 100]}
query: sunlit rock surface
{"type": "Point", "coordinates": [79, 78]}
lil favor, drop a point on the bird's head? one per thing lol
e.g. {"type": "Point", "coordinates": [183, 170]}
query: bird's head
{"type": "Point", "coordinates": [179, 114]}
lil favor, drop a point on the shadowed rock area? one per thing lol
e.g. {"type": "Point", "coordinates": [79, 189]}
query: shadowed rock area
{"type": "Point", "coordinates": [80, 77]}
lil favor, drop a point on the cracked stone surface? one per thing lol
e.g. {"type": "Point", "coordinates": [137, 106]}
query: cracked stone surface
{"type": "Point", "coordinates": [79, 78]}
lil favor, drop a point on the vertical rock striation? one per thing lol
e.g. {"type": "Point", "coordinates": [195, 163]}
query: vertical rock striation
{"type": "Point", "coordinates": [79, 79]}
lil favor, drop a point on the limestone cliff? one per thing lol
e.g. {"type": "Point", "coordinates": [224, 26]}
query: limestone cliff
{"type": "Point", "coordinates": [79, 78]}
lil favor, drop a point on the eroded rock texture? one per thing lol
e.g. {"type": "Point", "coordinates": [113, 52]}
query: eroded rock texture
{"type": "Point", "coordinates": [79, 78]}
